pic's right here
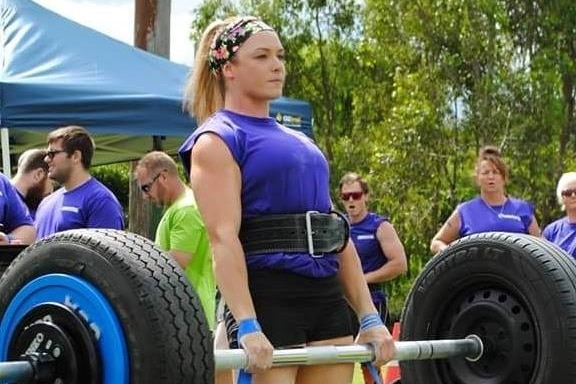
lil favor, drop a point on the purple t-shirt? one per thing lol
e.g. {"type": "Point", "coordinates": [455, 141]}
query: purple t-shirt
{"type": "Point", "coordinates": [282, 171]}
{"type": "Point", "coordinates": [563, 234]}
{"type": "Point", "coordinates": [89, 205]}
{"type": "Point", "coordinates": [13, 212]}
{"type": "Point", "coordinates": [363, 235]}
{"type": "Point", "coordinates": [477, 217]}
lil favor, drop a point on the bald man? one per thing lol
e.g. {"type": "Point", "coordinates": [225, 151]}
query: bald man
{"type": "Point", "coordinates": [31, 180]}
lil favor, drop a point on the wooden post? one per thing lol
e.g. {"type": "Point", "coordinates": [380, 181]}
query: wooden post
{"type": "Point", "coordinates": [152, 34]}
{"type": "Point", "coordinates": [152, 26]}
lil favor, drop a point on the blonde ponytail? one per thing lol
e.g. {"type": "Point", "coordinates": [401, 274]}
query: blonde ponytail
{"type": "Point", "coordinates": [204, 92]}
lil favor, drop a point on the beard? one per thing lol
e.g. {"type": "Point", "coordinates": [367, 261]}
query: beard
{"type": "Point", "coordinates": [34, 197]}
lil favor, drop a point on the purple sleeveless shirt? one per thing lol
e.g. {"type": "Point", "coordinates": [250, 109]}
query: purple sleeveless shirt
{"type": "Point", "coordinates": [563, 234]}
{"type": "Point", "coordinates": [282, 171]}
{"type": "Point", "coordinates": [476, 216]}
{"type": "Point", "coordinates": [363, 235]}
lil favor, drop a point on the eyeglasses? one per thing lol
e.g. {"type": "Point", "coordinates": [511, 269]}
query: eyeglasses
{"type": "Point", "coordinates": [51, 153]}
{"type": "Point", "coordinates": [148, 186]}
{"type": "Point", "coordinates": [569, 193]}
{"type": "Point", "coordinates": [353, 195]}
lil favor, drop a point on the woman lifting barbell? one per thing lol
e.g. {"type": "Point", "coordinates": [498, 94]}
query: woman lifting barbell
{"type": "Point", "coordinates": [263, 191]}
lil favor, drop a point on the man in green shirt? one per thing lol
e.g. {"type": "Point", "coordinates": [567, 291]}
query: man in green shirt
{"type": "Point", "coordinates": [181, 230]}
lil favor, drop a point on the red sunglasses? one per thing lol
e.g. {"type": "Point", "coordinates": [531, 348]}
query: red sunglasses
{"type": "Point", "coordinates": [353, 195]}
{"type": "Point", "coordinates": [569, 193]}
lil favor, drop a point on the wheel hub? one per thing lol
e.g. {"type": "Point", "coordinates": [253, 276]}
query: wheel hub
{"type": "Point", "coordinates": [55, 331]}
{"type": "Point", "coordinates": [505, 326]}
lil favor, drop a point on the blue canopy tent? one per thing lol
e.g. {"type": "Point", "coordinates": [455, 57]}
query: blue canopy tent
{"type": "Point", "coordinates": [56, 72]}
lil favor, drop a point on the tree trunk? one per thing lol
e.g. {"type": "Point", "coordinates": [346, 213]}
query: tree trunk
{"type": "Point", "coordinates": [152, 34]}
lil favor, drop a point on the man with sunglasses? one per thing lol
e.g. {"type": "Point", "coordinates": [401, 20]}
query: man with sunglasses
{"type": "Point", "coordinates": [380, 250]}
{"type": "Point", "coordinates": [83, 201]}
{"type": "Point", "coordinates": [562, 232]}
{"type": "Point", "coordinates": [181, 231]}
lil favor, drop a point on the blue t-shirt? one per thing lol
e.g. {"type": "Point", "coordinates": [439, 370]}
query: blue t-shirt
{"type": "Point", "coordinates": [563, 234]}
{"type": "Point", "coordinates": [477, 217]}
{"type": "Point", "coordinates": [13, 212]}
{"type": "Point", "coordinates": [363, 235]}
{"type": "Point", "coordinates": [282, 171]}
{"type": "Point", "coordinates": [89, 205]}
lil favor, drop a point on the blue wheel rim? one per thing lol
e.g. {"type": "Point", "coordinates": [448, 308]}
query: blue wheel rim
{"type": "Point", "coordinates": [85, 299]}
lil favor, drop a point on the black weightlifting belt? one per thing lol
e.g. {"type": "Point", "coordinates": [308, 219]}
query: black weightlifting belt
{"type": "Point", "coordinates": [312, 232]}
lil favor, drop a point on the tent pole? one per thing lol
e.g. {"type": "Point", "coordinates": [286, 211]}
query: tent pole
{"type": "Point", "coordinates": [5, 142]}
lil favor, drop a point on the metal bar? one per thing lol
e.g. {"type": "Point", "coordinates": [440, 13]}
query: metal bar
{"type": "Point", "coordinates": [470, 348]}
{"type": "Point", "coordinates": [5, 143]}
{"type": "Point", "coordinates": [16, 372]}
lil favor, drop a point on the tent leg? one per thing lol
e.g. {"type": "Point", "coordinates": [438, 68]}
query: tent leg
{"type": "Point", "coordinates": [5, 142]}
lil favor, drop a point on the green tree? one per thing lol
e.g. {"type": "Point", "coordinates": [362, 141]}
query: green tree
{"type": "Point", "coordinates": [544, 35]}
{"type": "Point", "coordinates": [407, 92]}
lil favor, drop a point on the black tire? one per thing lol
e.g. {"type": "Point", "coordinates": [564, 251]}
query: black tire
{"type": "Point", "coordinates": [7, 254]}
{"type": "Point", "coordinates": [517, 292]}
{"type": "Point", "coordinates": [166, 334]}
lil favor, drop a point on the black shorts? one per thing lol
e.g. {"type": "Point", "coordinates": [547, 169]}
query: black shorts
{"type": "Point", "coordinates": [294, 310]}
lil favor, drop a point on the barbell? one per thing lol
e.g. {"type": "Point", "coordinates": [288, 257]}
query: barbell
{"type": "Point", "coordinates": [42, 367]}
{"type": "Point", "coordinates": [470, 348]}
{"type": "Point", "coordinates": [105, 306]}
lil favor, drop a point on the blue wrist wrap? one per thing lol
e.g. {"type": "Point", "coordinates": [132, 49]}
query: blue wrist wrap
{"type": "Point", "coordinates": [366, 322]}
{"type": "Point", "coordinates": [248, 326]}
{"type": "Point", "coordinates": [370, 321]}
{"type": "Point", "coordinates": [373, 371]}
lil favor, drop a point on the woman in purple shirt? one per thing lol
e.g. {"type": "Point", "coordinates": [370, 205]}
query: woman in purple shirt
{"type": "Point", "coordinates": [380, 250]}
{"type": "Point", "coordinates": [246, 169]}
{"type": "Point", "coordinates": [562, 232]}
{"type": "Point", "coordinates": [492, 211]}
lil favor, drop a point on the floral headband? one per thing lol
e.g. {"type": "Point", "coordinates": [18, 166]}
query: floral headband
{"type": "Point", "coordinates": [227, 42]}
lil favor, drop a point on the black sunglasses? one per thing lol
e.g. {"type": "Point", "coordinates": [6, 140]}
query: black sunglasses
{"type": "Point", "coordinates": [569, 192]}
{"type": "Point", "coordinates": [53, 152]}
{"type": "Point", "coordinates": [353, 195]}
{"type": "Point", "coordinates": [146, 187]}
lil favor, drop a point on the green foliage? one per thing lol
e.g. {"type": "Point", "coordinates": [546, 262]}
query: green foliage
{"type": "Point", "coordinates": [117, 178]}
{"type": "Point", "coordinates": [208, 11]}
{"type": "Point", "coordinates": [406, 93]}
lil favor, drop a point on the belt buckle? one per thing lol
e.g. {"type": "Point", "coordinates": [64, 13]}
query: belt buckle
{"type": "Point", "coordinates": [310, 233]}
